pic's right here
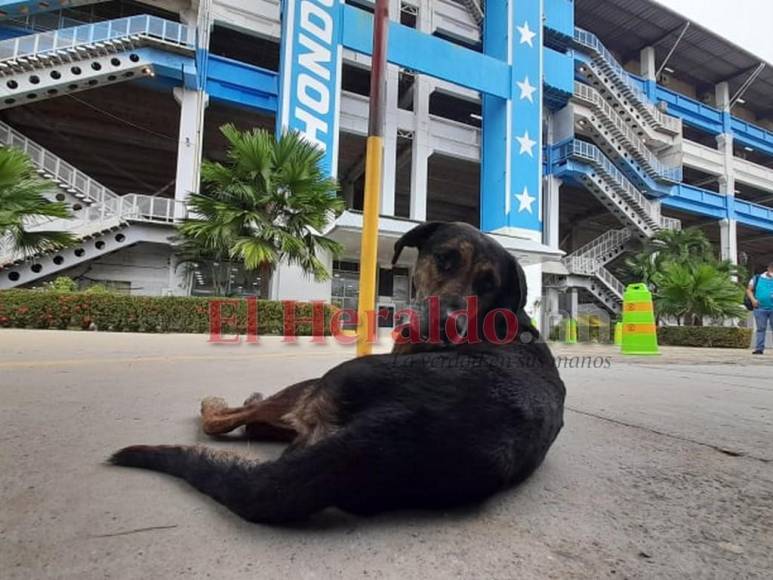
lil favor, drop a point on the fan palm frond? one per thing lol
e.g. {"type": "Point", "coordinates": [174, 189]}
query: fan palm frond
{"type": "Point", "coordinates": [270, 201]}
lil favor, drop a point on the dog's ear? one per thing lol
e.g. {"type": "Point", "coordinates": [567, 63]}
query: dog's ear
{"type": "Point", "coordinates": [415, 238]}
{"type": "Point", "coordinates": [518, 294]}
{"type": "Point", "coordinates": [518, 289]}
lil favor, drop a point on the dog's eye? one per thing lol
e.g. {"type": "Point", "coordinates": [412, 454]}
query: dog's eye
{"type": "Point", "coordinates": [484, 283]}
{"type": "Point", "coordinates": [447, 260]}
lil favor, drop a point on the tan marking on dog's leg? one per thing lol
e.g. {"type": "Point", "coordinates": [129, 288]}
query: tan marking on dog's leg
{"type": "Point", "coordinates": [218, 418]}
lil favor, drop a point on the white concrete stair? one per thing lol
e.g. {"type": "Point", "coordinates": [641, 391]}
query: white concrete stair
{"type": "Point", "coordinates": [608, 129]}
{"type": "Point", "coordinates": [613, 189]}
{"type": "Point", "coordinates": [613, 81]}
{"type": "Point", "coordinates": [101, 214]}
{"type": "Point", "coordinates": [89, 247]}
{"type": "Point", "coordinates": [77, 187]}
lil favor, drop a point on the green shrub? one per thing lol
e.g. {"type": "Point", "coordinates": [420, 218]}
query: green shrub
{"type": "Point", "coordinates": [62, 284]}
{"type": "Point", "coordinates": [97, 288]}
{"type": "Point", "coordinates": [122, 313]}
{"type": "Point", "coordinates": [705, 336]}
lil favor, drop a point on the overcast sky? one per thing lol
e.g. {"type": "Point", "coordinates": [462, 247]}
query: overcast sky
{"type": "Point", "coordinates": [747, 23]}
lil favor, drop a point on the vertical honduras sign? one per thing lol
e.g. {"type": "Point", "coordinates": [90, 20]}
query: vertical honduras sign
{"type": "Point", "coordinates": [310, 69]}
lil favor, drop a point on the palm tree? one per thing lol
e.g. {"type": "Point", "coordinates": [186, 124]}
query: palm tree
{"type": "Point", "coordinates": [680, 245]}
{"type": "Point", "coordinates": [640, 268]}
{"type": "Point", "coordinates": [268, 203]}
{"type": "Point", "coordinates": [665, 247]}
{"type": "Point", "coordinates": [692, 290]}
{"type": "Point", "coordinates": [23, 203]}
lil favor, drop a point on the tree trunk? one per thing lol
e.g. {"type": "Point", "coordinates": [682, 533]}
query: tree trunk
{"type": "Point", "coordinates": [265, 281]}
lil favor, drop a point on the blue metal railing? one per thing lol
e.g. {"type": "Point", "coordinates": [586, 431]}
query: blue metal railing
{"type": "Point", "coordinates": [146, 26]}
{"type": "Point", "coordinates": [576, 149]}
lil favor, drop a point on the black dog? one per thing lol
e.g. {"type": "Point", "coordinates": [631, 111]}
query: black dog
{"type": "Point", "coordinates": [428, 426]}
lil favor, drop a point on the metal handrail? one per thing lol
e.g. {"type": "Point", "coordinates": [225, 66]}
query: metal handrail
{"type": "Point", "coordinates": [602, 245]}
{"type": "Point", "coordinates": [657, 168]}
{"type": "Point", "coordinates": [55, 166]}
{"type": "Point", "coordinates": [592, 154]}
{"type": "Point", "coordinates": [100, 217]}
{"type": "Point", "coordinates": [611, 282]}
{"type": "Point", "coordinates": [668, 223]}
{"type": "Point", "coordinates": [147, 208]}
{"type": "Point", "coordinates": [591, 41]}
{"type": "Point", "coordinates": [591, 267]}
{"type": "Point", "coordinates": [581, 265]}
{"type": "Point", "coordinates": [144, 25]}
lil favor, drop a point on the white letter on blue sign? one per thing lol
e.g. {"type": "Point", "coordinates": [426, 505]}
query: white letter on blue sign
{"type": "Point", "coordinates": [323, 28]}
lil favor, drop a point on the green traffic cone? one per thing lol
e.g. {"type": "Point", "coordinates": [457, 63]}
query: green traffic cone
{"type": "Point", "coordinates": [570, 331]}
{"type": "Point", "coordinates": [639, 333]}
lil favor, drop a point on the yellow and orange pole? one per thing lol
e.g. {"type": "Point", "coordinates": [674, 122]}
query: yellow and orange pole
{"type": "Point", "coordinates": [374, 156]}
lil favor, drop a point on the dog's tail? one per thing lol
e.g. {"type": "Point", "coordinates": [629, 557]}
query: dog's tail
{"type": "Point", "coordinates": [291, 488]}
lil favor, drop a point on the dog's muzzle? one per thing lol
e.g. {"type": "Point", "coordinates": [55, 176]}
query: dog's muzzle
{"type": "Point", "coordinates": [443, 319]}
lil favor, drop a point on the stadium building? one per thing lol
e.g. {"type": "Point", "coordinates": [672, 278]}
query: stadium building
{"type": "Point", "coordinates": [570, 131]}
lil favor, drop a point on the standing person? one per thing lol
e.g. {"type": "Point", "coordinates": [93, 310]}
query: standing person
{"type": "Point", "coordinates": [760, 292]}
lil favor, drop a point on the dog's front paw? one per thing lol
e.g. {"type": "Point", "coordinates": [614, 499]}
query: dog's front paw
{"type": "Point", "coordinates": [253, 399]}
{"type": "Point", "coordinates": [213, 405]}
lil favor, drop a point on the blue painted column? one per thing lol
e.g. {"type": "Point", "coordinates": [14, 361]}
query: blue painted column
{"type": "Point", "coordinates": [495, 110]}
{"type": "Point", "coordinates": [310, 73]}
{"type": "Point", "coordinates": [511, 172]}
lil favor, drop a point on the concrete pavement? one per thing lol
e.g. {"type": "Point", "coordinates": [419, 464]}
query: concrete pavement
{"type": "Point", "coordinates": [664, 470]}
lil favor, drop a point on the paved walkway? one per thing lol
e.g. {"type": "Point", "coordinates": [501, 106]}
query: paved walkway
{"type": "Point", "coordinates": [664, 470]}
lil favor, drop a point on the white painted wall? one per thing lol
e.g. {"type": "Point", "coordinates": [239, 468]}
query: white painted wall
{"type": "Point", "coordinates": [533, 274]}
{"type": "Point", "coordinates": [259, 17]}
{"type": "Point", "coordinates": [145, 266]}
{"type": "Point", "coordinates": [290, 283]}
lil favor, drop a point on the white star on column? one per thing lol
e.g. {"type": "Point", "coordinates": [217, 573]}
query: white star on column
{"type": "Point", "coordinates": [525, 200]}
{"type": "Point", "coordinates": [526, 89]}
{"type": "Point", "coordinates": [526, 34]}
{"type": "Point", "coordinates": [527, 144]}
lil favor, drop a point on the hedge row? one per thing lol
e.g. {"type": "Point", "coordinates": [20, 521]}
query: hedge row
{"type": "Point", "coordinates": [706, 336]}
{"type": "Point", "coordinates": [122, 313]}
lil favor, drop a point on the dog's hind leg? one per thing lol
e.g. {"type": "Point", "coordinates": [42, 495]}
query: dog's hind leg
{"type": "Point", "coordinates": [264, 418]}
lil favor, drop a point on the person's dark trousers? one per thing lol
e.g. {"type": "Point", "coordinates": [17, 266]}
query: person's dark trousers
{"type": "Point", "coordinates": [763, 319]}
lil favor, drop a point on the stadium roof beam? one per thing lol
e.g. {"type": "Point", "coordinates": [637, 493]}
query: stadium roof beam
{"type": "Point", "coordinates": [746, 84]}
{"type": "Point", "coordinates": [703, 58]}
{"type": "Point", "coordinates": [673, 48]}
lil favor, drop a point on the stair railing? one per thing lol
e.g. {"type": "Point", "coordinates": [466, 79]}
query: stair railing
{"type": "Point", "coordinates": [144, 25]}
{"type": "Point", "coordinates": [601, 246]}
{"type": "Point", "coordinates": [659, 169]}
{"type": "Point", "coordinates": [591, 41]}
{"type": "Point", "coordinates": [615, 285]}
{"type": "Point", "coordinates": [590, 153]}
{"type": "Point", "coordinates": [55, 167]}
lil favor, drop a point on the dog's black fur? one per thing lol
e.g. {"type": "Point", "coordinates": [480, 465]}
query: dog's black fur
{"type": "Point", "coordinates": [429, 427]}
